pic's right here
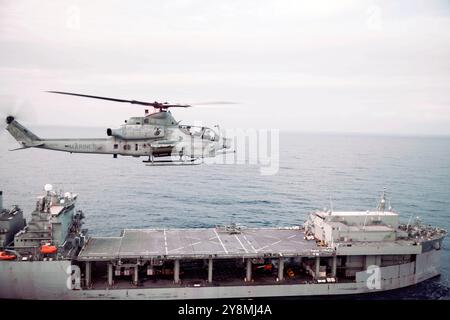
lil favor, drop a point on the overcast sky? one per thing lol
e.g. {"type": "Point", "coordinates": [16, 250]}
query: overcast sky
{"type": "Point", "coordinates": [334, 66]}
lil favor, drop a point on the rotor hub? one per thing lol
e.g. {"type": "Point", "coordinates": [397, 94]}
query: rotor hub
{"type": "Point", "coordinates": [9, 119]}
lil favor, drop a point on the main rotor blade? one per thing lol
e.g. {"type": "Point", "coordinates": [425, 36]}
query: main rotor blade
{"type": "Point", "coordinates": [106, 98]}
{"type": "Point", "coordinates": [155, 104]}
{"type": "Point", "coordinates": [212, 103]}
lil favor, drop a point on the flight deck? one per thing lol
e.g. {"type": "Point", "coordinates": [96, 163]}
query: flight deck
{"type": "Point", "coordinates": [201, 243]}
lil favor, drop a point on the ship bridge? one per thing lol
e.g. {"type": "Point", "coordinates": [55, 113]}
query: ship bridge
{"type": "Point", "coordinates": [353, 226]}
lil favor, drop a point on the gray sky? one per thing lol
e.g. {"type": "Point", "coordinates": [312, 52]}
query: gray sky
{"type": "Point", "coordinates": [336, 66]}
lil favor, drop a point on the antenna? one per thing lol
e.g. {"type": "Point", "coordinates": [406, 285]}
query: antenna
{"type": "Point", "coordinates": [365, 220]}
{"type": "Point", "coordinates": [409, 222]}
{"type": "Point", "coordinates": [382, 204]}
{"type": "Point", "coordinates": [331, 204]}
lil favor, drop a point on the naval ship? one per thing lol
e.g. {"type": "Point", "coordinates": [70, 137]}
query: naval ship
{"type": "Point", "coordinates": [333, 253]}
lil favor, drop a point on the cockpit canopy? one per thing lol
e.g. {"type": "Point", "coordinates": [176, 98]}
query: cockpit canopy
{"type": "Point", "coordinates": [201, 132]}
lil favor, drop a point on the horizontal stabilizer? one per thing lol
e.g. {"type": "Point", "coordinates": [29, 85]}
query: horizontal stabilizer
{"type": "Point", "coordinates": [28, 145]}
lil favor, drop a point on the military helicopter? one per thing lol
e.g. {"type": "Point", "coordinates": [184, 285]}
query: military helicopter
{"type": "Point", "coordinates": [156, 135]}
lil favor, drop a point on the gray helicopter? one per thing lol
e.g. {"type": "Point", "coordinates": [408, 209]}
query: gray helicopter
{"type": "Point", "coordinates": [156, 135]}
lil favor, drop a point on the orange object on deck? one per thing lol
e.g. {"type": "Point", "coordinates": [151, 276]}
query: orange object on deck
{"type": "Point", "coordinates": [7, 256]}
{"type": "Point", "coordinates": [47, 249]}
{"type": "Point", "coordinates": [268, 267]}
{"type": "Point", "coordinates": [290, 273]}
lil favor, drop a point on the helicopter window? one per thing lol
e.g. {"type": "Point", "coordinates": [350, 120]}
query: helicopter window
{"type": "Point", "coordinates": [135, 120]}
{"type": "Point", "coordinates": [145, 121]}
{"type": "Point", "coordinates": [116, 146]}
{"type": "Point", "coordinates": [209, 135]}
{"type": "Point", "coordinates": [195, 131]}
{"type": "Point", "coordinates": [136, 147]}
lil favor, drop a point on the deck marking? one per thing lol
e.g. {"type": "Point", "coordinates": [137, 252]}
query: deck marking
{"type": "Point", "coordinates": [193, 238]}
{"type": "Point", "coordinates": [165, 241]}
{"type": "Point", "coordinates": [262, 248]}
{"type": "Point", "coordinates": [253, 248]}
{"type": "Point", "coordinates": [237, 238]}
{"type": "Point", "coordinates": [273, 237]}
{"type": "Point", "coordinates": [294, 235]}
{"type": "Point", "coordinates": [133, 253]}
{"type": "Point", "coordinates": [299, 241]}
{"type": "Point", "coordinates": [225, 249]}
{"type": "Point", "coordinates": [172, 250]}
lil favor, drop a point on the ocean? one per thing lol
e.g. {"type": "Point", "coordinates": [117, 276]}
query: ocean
{"type": "Point", "coordinates": [347, 172]}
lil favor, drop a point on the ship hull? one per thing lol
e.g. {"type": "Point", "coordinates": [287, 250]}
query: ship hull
{"type": "Point", "coordinates": [49, 280]}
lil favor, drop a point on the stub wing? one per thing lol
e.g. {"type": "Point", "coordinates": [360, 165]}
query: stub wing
{"type": "Point", "coordinates": [163, 144]}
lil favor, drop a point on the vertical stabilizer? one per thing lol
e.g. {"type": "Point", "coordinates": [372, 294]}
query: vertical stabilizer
{"type": "Point", "coordinates": [24, 136]}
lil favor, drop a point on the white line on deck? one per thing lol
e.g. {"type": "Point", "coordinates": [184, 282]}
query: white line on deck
{"type": "Point", "coordinates": [177, 249]}
{"type": "Point", "coordinates": [133, 253]}
{"type": "Point", "coordinates": [262, 248]}
{"type": "Point", "coordinates": [246, 251]}
{"type": "Point", "coordinates": [193, 238]}
{"type": "Point", "coordinates": [273, 237]}
{"type": "Point", "coordinates": [165, 241]}
{"type": "Point", "coordinates": [299, 241]}
{"type": "Point", "coordinates": [250, 244]}
{"type": "Point", "coordinates": [225, 249]}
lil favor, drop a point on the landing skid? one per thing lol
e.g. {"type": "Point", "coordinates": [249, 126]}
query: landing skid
{"type": "Point", "coordinates": [190, 162]}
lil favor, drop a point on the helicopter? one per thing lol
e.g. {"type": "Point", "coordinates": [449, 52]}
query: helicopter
{"type": "Point", "coordinates": [156, 135]}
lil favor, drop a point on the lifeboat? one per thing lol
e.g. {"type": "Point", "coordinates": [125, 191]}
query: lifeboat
{"type": "Point", "coordinates": [268, 267]}
{"type": "Point", "coordinates": [290, 273]}
{"type": "Point", "coordinates": [7, 256]}
{"type": "Point", "coordinates": [265, 267]}
{"type": "Point", "coordinates": [48, 249]}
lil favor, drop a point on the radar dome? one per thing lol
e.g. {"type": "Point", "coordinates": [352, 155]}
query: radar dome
{"type": "Point", "coordinates": [48, 187]}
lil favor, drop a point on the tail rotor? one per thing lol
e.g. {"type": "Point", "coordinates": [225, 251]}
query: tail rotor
{"type": "Point", "coordinates": [13, 108]}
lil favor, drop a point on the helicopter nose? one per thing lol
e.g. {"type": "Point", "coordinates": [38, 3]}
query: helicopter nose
{"type": "Point", "coordinates": [9, 119]}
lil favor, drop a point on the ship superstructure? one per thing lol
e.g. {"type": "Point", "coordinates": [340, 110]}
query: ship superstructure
{"type": "Point", "coordinates": [332, 253]}
{"type": "Point", "coordinates": [53, 232]}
